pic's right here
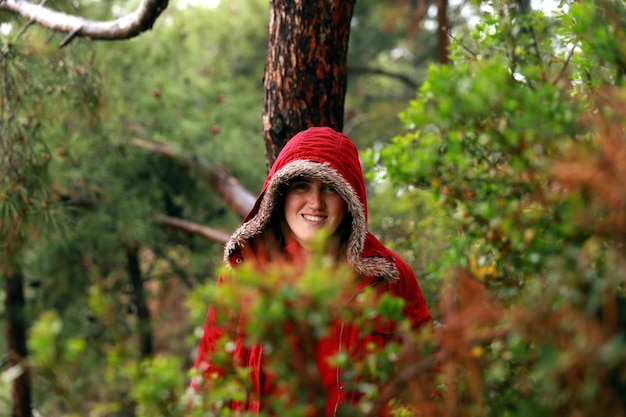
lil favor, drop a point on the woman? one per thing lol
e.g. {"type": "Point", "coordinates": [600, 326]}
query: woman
{"type": "Point", "coordinates": [316, 184]}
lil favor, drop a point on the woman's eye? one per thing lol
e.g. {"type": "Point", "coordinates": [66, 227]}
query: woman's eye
{"type": "Point", "coordinates": [331, 189]}
{"type": "Point", "coordinates": [299, 186]}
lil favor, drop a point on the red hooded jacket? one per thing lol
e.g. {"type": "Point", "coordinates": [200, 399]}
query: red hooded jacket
{"type": "Point", "coordinates": [329, 156]}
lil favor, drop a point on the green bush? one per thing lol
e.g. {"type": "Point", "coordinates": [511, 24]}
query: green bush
{"type": "Point", "coordinates": [521, 141]}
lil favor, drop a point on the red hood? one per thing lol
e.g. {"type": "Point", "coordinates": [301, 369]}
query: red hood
{"type": "Point", "coordinates": [330, 156]}
{"type": "Point", "coordinates": [325, 146]}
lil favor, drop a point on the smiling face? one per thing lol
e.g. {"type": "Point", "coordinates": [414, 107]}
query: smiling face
{"type": "Point", "coordinates": [311, 205]}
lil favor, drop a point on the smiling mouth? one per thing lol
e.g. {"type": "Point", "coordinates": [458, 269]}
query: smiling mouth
{"type": "Point", "coordinates": [313, 218]}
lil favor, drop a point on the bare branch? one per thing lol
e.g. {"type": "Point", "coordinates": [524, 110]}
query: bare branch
{"type": "Point", "coordinates": [125, 27]}
{"type": "Point", "coordinates": [194, 228]}
{"type": "Point", "coordinates": [377, 71]}
{"type": "Point", "coordinates": [175, 222]}
{"type": "Point", "coordinates": [563, 70]}
{"type": "Point", "coordinates": [232, 192]}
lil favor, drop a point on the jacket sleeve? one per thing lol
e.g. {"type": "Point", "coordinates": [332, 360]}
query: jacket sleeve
{"type": "Point", "coordinates": [407, 287]}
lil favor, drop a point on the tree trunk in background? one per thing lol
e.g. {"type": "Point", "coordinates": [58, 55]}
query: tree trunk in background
{"type": "Point", "coordinates": [305, 73]}
{"type": "Point", "coordinates": [14, 305]}
{"type": "Point", "coordinates": [144, 323]}
{"type": "Point", "coordinates": [443, 23]}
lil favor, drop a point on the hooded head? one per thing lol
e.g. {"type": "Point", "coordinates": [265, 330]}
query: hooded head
{"type": "Point", "coordinates": [329, 156]}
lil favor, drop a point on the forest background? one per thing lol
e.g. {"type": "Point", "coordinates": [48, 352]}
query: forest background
{"type": "Point", "coordinates": [501, 183]}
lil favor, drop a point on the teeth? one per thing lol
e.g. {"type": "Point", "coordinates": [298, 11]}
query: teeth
{"type": "Point", "coordinates": [314, 218]}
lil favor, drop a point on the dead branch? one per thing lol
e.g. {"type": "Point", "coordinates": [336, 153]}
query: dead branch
{"type": "Point", "coordinates": [125, 27]}
{"type": "Point", "coordinates": [377, 71]}
{"type": "Point", "coordinates": [229, 188]}
{"type": "Point", "coordinates": [194, 228]}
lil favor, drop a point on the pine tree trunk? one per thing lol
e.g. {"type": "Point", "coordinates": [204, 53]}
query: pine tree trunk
{"type": "Point", "coordinates": [14, 305]}
{"type": "Point", "coordinates": [305, 74]}
{"type": "Point", "coordinates": [144, 323]}
{"type": "Point", "coordinates": [443, 22]}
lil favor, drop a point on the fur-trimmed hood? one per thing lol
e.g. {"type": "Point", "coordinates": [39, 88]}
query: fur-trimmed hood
{"type": "Point", "coordinates": [329, 156]}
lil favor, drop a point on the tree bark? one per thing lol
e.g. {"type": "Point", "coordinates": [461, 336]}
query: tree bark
{"type": "Point", "coordinates": [443, 39]}
{"type": "Point", "coordinates": [14, 305]}
{"type": "Point", "coordinates": [144, 324]}
{"type": "Point", "coordinates": [305, 75]}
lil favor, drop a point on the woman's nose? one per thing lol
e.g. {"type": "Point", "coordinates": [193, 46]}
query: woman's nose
{"type": "Point", "coordinates": [316, 199]}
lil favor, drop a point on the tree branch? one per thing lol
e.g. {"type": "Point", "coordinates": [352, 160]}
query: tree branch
{"type": "Point", "coordinates": [194, 228]}
{"type": "Point", "coordinates": [175, 222]}
{"type": "Point", "coordinates": [414, 369]}
{"type": "Point", "coordinates": [232, 192]}
{"type": "Point", "coordinates": [125, 27]}
{"type": "Point", "coordinates": [377, 71]}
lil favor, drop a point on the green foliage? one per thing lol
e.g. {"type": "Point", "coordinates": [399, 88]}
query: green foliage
{"type": "Point", "coordinates": [24, 199]}
{"type": "Point", "coordinates": [75, 114]}
{"type": "Point", "coordinates": [516, 146]}
{"type": "Point", "coordinates": [210, 69]}
{"type": "Point", "coordinates": [485, 154]}
{"type": "Point", "coordinates": [413, 226]}
{"type": "Point", "coordinates": [390, 48]}
{"type": "Point", "coordinates": [508, 175]}
{"type": "Point", "coordinates": [288, 311]}
{"type": "Point", "coordinates": [157, 385]}
{"type": "Point", "coordinates": [194, 82]}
